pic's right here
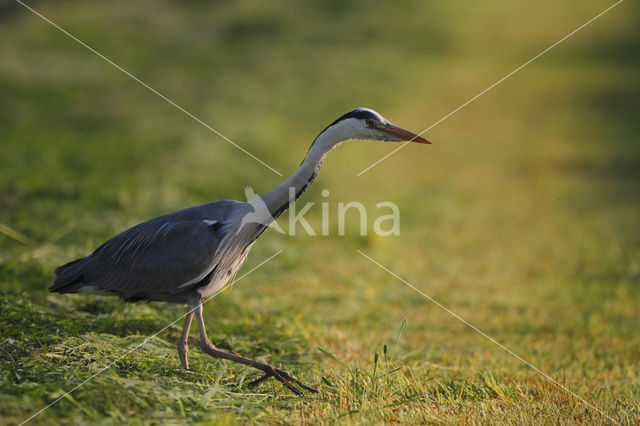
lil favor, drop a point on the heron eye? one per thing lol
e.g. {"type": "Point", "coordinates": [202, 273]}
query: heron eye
{"type": "Point", "coordinates": [369, 122]}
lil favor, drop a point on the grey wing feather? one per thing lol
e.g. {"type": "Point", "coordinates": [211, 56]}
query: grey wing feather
{"type": "Point", "coordinates": [160, 255]}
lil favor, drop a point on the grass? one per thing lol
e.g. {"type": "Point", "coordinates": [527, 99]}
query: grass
{"type": "Point", "coordinates": [522, 217]}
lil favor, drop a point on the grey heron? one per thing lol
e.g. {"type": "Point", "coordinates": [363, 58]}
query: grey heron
{"type": "Point", "coordinates": [185, 256]}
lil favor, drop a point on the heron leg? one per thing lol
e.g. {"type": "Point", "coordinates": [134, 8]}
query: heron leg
{"type": "Point", "coordinates": [183, 346]}
{"type": "Point", "coordinates": [268, 370]}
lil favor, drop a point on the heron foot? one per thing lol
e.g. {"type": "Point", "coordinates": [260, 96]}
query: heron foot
{"type": "Point", "coordinates": [283, 377]}
{"type": "Point", "coordinates": [182, 353]}
{"type": "Point", "coordinates": [211, 350]}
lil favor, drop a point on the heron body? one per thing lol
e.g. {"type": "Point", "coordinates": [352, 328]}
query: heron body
{"type": "Point", "coordinates": [165, 259]}
{"type": "Point", "coordinates": [185, 256]}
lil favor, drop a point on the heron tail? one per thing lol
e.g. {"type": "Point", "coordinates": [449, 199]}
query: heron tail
{"type": "Point", "coordinates": [69, 277]}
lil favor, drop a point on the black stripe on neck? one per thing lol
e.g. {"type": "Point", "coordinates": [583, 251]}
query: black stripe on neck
{"type": "Point", "coordinates": [298, 193]}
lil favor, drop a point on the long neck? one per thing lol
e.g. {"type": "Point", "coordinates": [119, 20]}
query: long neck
{"type": "Point", "coordinates": [281, 197]}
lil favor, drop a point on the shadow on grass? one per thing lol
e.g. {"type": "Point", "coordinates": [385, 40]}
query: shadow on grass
{"type": "Point", "coordinates": [38, 325]}
{"type": "Point", "coordinates": [31, 329]}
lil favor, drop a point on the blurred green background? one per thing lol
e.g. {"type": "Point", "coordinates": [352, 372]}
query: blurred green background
{"type": "Point", "coordinates": [522, 217]}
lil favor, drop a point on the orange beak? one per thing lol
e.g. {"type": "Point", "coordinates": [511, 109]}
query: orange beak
{"type": "Point", "coordinates": [403, 134]}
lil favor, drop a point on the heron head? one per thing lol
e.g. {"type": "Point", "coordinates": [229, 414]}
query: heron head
{"type": "Point", "coordinates": [366, 124]}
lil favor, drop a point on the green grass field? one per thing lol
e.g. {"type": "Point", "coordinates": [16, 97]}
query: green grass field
{"type": "Point", "coordinates": [523, 217]}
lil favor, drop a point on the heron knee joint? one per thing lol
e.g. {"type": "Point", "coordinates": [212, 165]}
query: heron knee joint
{"type": "Point", "coordinates": [183, 346]}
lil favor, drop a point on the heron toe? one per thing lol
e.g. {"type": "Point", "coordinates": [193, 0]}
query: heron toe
{"type": "Point", "coordinates": [283, 377]}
